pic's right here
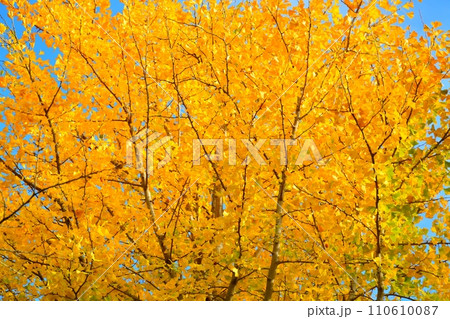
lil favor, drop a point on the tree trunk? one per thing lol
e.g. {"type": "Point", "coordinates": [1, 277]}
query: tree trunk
{"type": "Point", "coordinates": [276, 240]}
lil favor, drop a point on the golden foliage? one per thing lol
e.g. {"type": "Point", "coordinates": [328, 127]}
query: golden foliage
{"type": "Point", "coordinates": [77, 223]}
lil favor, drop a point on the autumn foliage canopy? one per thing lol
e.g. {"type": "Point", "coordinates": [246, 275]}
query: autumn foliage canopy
{"type": "Point", "coordinates": [77, 221]}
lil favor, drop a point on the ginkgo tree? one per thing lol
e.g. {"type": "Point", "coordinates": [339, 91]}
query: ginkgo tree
{"type": "Point", "coordinates": [250, 222]}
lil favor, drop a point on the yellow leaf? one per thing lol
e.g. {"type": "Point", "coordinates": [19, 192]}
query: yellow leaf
{"type": "Point", "coordinates": [436, 24]}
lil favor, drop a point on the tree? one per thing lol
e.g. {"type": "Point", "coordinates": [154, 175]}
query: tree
{"type": "Point", "coordinates": [267, 80]}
